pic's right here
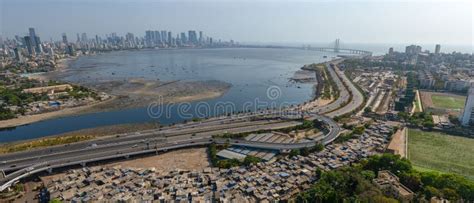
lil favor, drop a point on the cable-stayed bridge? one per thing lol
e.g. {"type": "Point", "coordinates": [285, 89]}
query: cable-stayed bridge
{"type": "Point", "coordinates": [335, 46]}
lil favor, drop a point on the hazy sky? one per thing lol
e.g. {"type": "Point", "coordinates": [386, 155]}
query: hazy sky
{"type": "Point", "coordinates": [353, 21]}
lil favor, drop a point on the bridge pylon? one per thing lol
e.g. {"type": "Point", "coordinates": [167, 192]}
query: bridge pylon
{"type": "Point", "coordinates": [336, 46]}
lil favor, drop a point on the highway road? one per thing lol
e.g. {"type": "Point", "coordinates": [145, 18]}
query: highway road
{"type": "Point", "coordinates": [341, 106]}
{"type": "Point", "coordinates": [357, 97]}
{"type": "Point", "coordinates": [23, 164]}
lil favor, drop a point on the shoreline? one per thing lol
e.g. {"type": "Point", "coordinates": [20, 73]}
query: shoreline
{"type": "Point", "coordinates": [24, 120]}
{"type": "Point", "coordinates": [121, 97]}
{"type": "Point", "coordinates": [97, 107]}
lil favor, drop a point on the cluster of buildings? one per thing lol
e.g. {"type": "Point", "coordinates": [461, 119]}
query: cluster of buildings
{"type": "Point", "coordinates": [422, 70]}
{"type": "Point", "coordinates": [278, 179]}
{"type": "Point", "coordinates": [374, 140]}
{"type": "Point", "coordinates": [437, 71]}
{"type": "Point", "coordinates": [167, 39]}
{"type": "Point", "coordinates": [379, 84]}
{"type": "Point", "coordinates": [22, 47]}
{"type": "Point", "coordinates": [130, 184]}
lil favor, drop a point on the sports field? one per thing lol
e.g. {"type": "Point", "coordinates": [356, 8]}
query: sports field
{"type": "Point", "coordinates": [441, 152]}
{"type": "Point", "coordinates": [448, 102]}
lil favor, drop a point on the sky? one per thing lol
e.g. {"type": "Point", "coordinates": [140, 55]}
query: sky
{"type": "Point", "coordinates": [353, 21]}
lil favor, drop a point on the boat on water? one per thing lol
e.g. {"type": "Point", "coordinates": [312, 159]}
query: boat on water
{"type": "Point", "coordinates": [325, 56]}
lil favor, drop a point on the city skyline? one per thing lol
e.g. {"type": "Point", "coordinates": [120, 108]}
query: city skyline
{"type": "Point", "coordinates": [281, 21]}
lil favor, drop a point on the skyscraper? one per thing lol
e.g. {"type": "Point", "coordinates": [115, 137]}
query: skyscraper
{"type": "Point", "coordinates": [192, 37]}
{"type": "Point", "coordinates": [29, 45]}
{"type": "Point", "coordinates": [467, 114]}
{"type": "Point", "coordinates": [200, 37]}
{"type": "Point", "coordinates": [183, 38]}
{"type": "Point", "coordinates": [18, 55]}
{"type": "Point", "coordinates": [437, 49]}
{"type": "Point", "coordinates": [32, 36]}
{"type": "Point", "coordinates": [170, 38]}
{"type": "Point", "coordinates": [390, 51]}
{"type": "Point", "coordinates": [84, 37]}
{"type": "Point", "coordinates": [38, 46]}
{"type": "Point", "coordinates": [35, 40]}
{"type": "Point", "coordinates": [157, 37]}
{"type": "Point", "coordinates": [413, 49]}
{"type": "Point", "coordinates": [164, 36]}
{"type": "Point", "coordinates": [65, 39]}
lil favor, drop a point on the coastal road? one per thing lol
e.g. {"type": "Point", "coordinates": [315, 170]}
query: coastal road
{"type": "Point", "coordinates": [344, 104]}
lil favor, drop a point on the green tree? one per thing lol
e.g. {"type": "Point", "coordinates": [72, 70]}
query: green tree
{"type": "Point", "coordinates": [249, 160]}
{"type": "Point", "coordinates": [294, 152]}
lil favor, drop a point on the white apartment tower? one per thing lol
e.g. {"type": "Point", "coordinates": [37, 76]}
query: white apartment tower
{"type": "Point", "coordinates": [467, 114]}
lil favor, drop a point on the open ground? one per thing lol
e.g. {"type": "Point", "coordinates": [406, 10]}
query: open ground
{"type": "Point", "coordinates": [438, 102]}
{"type": "Point", "coordinates": [441, 152]}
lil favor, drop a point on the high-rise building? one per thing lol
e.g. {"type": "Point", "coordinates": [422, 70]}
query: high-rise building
{"type": "Point", "coordinates": [70, 50]}
{"type": "Point", "coordinates": [157, 37]}
{"type": "Point", "coordinates": [29, 45]}
{"type": "Point", "coordinates": [50, 51]}
{"type": "Point", "coordinates": [467, 114]}
{"type": "Point", "coordinates": [32, 35]}
{"type": "Point", "coordinates": [201, 37]}
{"type": "Point", "coordinates": [183, 38]}
{"type": "Point", "coordinates": [35, 40]}
{"type": "Point", "coordinates": [65, 39]}
{"type": "Point", "coordinates": [164, 36]}
{"type": "Point", "coordinates": [170, 38]}
{"type": "Point", "coordinates": [413, 49]}
{"type": "Point", "coordinates": [38, 45]}
{"type": "Point", "coordinates": [437, 49]}
{"type": "Point", "coordinates": [18, 55]}
{"type": "Point", "coordinates": [390, 50]}
{"type": "Point", "coordinates": [84, 37]}
{"type": "Point", "coordinates": [192, 37]}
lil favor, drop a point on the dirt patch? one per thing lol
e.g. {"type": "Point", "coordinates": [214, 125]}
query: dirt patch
{"type": "Point", "coordinates": [428, 105]}
{"type": "Point", "coordinates": [398, 144]}
{"type": "Point", "coordinates": [426, 100]}
{"type": "Point", "coordinates": [185, 159]}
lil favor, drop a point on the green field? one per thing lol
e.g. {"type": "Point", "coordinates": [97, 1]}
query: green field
{"type": "Point", "coordinates": [441, 152]}
{"type": "Point", "coordinates": [448, 102]}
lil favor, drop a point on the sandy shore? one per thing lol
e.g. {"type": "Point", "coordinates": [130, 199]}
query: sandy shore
{"type": "Point", "coordinates": [131, 93]}
{"type": "Point", "coordinates": [135, 93]}
{"type": "Point", "coordinates": [23, 120]}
